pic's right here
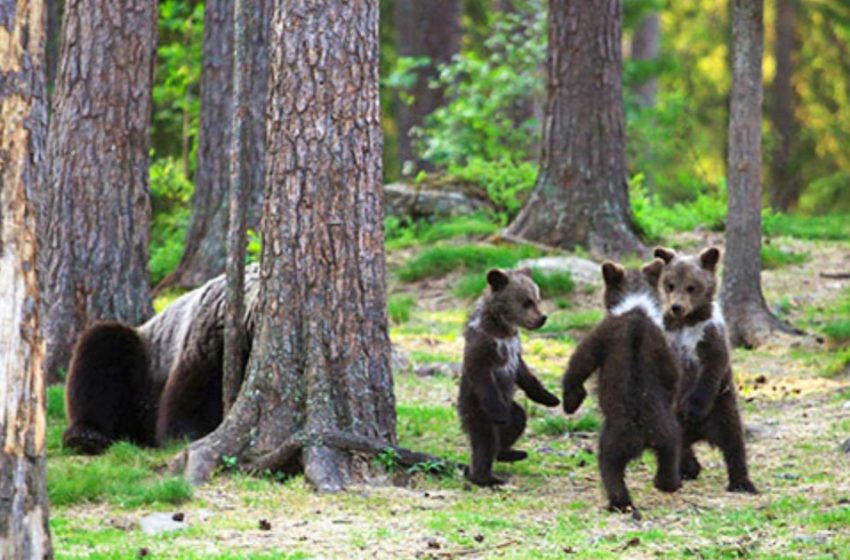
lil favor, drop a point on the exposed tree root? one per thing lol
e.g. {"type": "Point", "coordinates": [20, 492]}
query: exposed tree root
{"type": "Point", "coordinates": [835, 275]}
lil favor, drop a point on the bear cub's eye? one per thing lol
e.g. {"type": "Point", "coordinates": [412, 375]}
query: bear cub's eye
{"type": "Point", "coordinates": [528, 304]}
{"type": "Point", "coordinates": [670, 287]}
{"type": "Point", "coordinates": [691, 289]}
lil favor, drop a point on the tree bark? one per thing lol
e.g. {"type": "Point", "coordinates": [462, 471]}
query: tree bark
{"type": "Point", "coordinates": [581, 197]}
{"type": "Point", "coordinates": [645, 46]}
{"type": "Point", "coordinates": [424, 28]}
{"type": "Point", "coordinates": [320, 365]}
{"type": "Point", "coordinates": [785, 185]}
{"type": "Point", "coordinates": [204, 255]}
{"type": "Point", "coordinates": [747, 315]}
{"type": "Point", "coordinates": [97, 210]}
{"type": "Point", "coordinates": [24, 531]}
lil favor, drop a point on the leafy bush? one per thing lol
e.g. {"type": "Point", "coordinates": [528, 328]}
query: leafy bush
{"type": "Point", "coordinates": [399, 308]}
{"type": "Point", "coordinates": [507, 183]}
{"type": "Point", "coordinates": [443, 259]}
{"type": "Point", "coordinates": [658, 220]}
{"type": "Point", "coordinates": [171, 193]}
{"type": "Point", "coordinates": [401, 234]}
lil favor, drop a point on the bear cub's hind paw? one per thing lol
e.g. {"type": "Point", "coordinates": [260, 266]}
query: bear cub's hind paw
{"type": "Point", "coordinates": [512, 456]}
{"type": "Point", "coordinates": [85, 440]}
{"type": "Point", "coordinates": [745, 487]}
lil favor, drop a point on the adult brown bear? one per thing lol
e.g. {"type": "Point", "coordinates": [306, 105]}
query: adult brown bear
{"type": "Point", "coordinates": [157, 382]}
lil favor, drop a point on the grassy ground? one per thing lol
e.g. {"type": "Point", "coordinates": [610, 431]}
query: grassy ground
{"type": "Point", "coordinates": [795, 395]}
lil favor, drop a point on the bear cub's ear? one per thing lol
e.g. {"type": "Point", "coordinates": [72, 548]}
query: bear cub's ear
{"type": "Point", "coordinates": [525, 271]}
{"type": "Point", "coordinates": [709, 258]}
{"type": "Point", "coordinates": [652, 271]}
{"type": "Point", "coordinates": [612, 273]}
{"type": "Point", "coordinates": [664, 254]}
{"type": "Point", "coordinates": [497, 279]}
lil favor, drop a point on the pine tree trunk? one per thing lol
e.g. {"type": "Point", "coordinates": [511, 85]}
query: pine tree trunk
{"type": "Point", "coordinates": [204, 255]}
{"type": "Point", "coordinates": [97, 212]}
{"type": "Point", "coordinates": [645, 46]}
{"type": "Point", "coordinates": [318, 384]}
{"type": "Point", "coordinates": [744, 306]}
{"type": "Point", "coordinates": [785, 183]}
{"type": "Point", "coordinates": [424, 28]}
{"type": "Point", "coordinates": [24, 531]}
{"type": "Point", "coordinates": [581, 197]}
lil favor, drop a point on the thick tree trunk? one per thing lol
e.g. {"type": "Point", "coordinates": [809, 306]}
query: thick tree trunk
{"type": "Point", "coordinates": [785, 183]}
{"type": "Point", "coordinates": [319, 374]}
{"type": "Point", "coordinates": [645, 46]}
{"type": "Point", "coordinates": [424, 28]}
{"type": "Point", "coordinates": [744, 306]}
{"type": "Point", "coordinates": [24, 531]}
{"type": "Point", "coordinates": [97, 210]}
{"type": "Point", "coordinates": [204, 255]}
{"type": "Point", "coordinates": [246, 17]}
{"type": "Point", "coordinates": [581, 197]}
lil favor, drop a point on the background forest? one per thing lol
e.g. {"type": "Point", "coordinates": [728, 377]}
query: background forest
{"type": "Point", "coordinates": [463, 93]}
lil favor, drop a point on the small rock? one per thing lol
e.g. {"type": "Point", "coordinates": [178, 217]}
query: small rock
{"type": "Point", "coordinates": [760, 379]}
{"type": "Point", "coordinates": [845, 447]}
{"type": "Point", "coordinates": [143, 552]}
{"type": "Point", "coordinates": [179, 516]}
{"type": "Point", "coordinates": [478, 538]}
{"type": "Point", "coordinates": [433, 543]}
{"type": "Point", "coordinates": [265, 525]}
{"type": "Point", "coordinates": [846, 405]}
{"type": "Point", "coordinates": [157, 523]}
{"type": "Point", "coordinates": [583, 271]}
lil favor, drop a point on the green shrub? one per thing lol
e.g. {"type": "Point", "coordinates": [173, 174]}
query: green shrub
{"type": "Point", "coordinates": [773, 257]}
{"type": "Point", "coordinates": [171, 195]}
{"type": "Point", "coordinates": [442, 259]}
{"type": "Point", "coordinates": [838, 330]}
{"type": "Point", "coordinates": [402, 234]}
{"type": "Point", "coordinates": [56, 402]}
{"type": "Point", "coordinates": [399, 308]}
{"type": "Point", "coordinates": [508, 183]}
{"type": "Point", "coordinates": [563, 321]}
{"type": "Point", "coordinates": [831, 227]}
{"type": "Point", "coordinates": [552, 284]}
{"type": "Point", "coordinates": [658, 220]}
{"type": "Point", "coordinates": [559, 425]}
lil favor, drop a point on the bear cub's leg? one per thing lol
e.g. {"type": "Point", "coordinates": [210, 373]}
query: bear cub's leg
{"type": "Point", "coordinates": [724, 430]}
{"type": "Point", "coordinates": [617, 446]}
{"type": "Point", "coordinates": [509, 434]}
{"type": "Point", "coordinates": [667, 447]}
{"type": "Point", "coordinates": [484, 439]}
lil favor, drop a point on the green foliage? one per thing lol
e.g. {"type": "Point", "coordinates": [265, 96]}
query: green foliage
{"type": "Point", "coordinates": [171, 193]}
{"type": "Point", "coordinates": [56, 403]}
{"type": "Point", "coordinates": [562, 321]}
{"type": "Point", "coordinates": [399, 308]}
{"type": "Point", "coordinates": [773, 257]}
{"type": "Point", "coordinates": [388, 459]}
{"type": "Point", "coordinates": [658, 220]}
{"type": "Point", "coordinates": [176, 90]}
{"type": "Point", "coordinates": [507, 183]}
{"type": "Point", "coordinates": [402, 234]}
{"type": "Point", "coordinates": [828, 227]}
{"type": "Point", "coordinates": [442, 259]}
{"type": "Point", "coordinates": [838, 330]}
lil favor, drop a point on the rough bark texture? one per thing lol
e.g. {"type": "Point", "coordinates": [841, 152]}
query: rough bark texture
{"type": "Point", "coordinates": [581, 197]}
{"type": "Point", "coordinates": [24, 531]}
{"type": "Point", "coordinates": [204, 256]}
{"type": "Point", "coordinates": [246, 17]}
{"type": "Point", "coordinates": [645, 46]}
{"type": "Point", "coordinates": [97, 206]}
{"type": "Point", "coordinates": [785, 182]}
{"type": "Point", "coordinates": [320, 363]}
{"type": "Point", "coordinates": [424, 28]}
{"type": "Point", "coordinates": [743, 303]}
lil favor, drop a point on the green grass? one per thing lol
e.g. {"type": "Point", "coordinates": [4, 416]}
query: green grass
{"type": "Point", "coordinates": [552, 284]}
{"type": "Point", "coordinates": [560, 425]}
{"type": "Point", "coordinates": [440, 260]}
{"type": "Point", "coordinates": [834, 227]}
{"type": "Point", "coordinates": [562, 321]}
{"type": "Point", "coordinates": [399, 308]}
{"type": "Point", "coordinates": [838, 330]}
{"type": "Point", "coordinates": [773, 257]}
{"type": "Point", "coordinates": [401, 235]}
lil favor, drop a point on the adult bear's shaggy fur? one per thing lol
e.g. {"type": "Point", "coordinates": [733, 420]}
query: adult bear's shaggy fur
{"type": "Point", "coordinates": [157, 382]}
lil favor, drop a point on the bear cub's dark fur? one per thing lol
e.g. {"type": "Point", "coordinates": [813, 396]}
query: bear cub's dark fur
{"type": "Point", "coordinates": [638, 382]}
{"type": "Point", "coordinates": [493, 367]}
{"type": "Point", "coordinates": [708, 403]}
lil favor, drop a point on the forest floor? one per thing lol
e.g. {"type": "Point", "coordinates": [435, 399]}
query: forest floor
{"type": "Point", "coordinates": [795, 395]}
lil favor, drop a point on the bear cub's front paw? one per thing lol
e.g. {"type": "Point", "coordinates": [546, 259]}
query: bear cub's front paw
{"type": "Point", "coordinates": [573, 399]}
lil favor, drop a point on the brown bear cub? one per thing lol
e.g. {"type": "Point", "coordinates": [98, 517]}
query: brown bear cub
{"type": "Point", "coordinates": [493, 367]}
{"type": "Point", "coordinates": [708, 403]}
{"type": "Point", "coordinates": [638, 382]}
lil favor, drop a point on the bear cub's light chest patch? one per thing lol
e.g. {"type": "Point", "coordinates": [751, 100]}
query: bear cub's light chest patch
{"type": "Point", "coordinates": [510, 350]}
{"type": "Point", "coordinates": [686, 339]}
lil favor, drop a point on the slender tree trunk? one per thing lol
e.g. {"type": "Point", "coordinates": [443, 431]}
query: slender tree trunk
{"type": "Point", "coordinates": [204, 255]}
{"type": "Point", "coordinates": [97, 211]}
{"type": "Point", "coordinates": [646, 46]}
{"type": "Point", "coordinates": [744, 306]}
{"type": "Point", "coordinates": [785, 183]}
{"type": "Point", "coordinates": [319, 382]}
{"type": "Point", "coordinates": [581, 197]}
{"type": "Point", "coordinates": [424, 28]}
{"type": "Point", "coordinates": [24, 532]}
{"type": "Point", "coordinates": [246, 17]}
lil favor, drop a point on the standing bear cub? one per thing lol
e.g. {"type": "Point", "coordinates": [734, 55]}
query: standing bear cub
{"type": "Point", "coordinates": [708, 404]}
{"type": "Point", "coordinates": [493, 367]}
{"type": "Point", "coordinates": [638, 382]}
